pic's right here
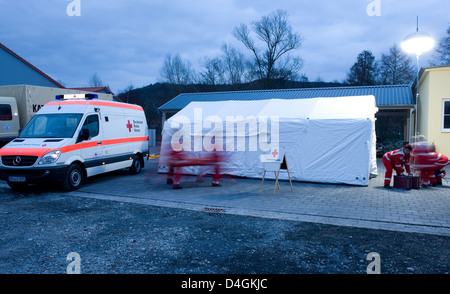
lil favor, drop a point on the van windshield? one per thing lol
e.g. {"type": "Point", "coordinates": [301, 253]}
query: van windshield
{"type": "Point", "coordinates": [62, 125]}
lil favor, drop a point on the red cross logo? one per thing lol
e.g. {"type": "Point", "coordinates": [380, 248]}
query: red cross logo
{"type": "Point", "coordinates": [129, 126]}
{"type": "Point", "coordinates": [275, 153]}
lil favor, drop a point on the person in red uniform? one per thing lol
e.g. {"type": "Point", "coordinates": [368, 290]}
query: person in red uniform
{"type": "Point", "coordinates": [430, 164]}
{"type": "Point", "coordinates": [216, 158]}
{"type": "Point", "coordinates": [176, 164]}
{"type": "Point", "coordinates": [175, 172]}
{"type": "Point", "coordinates": [441, 161]}
{"type": "Point", "coordinates": [422, 161]}
{"type": "Point", "coordinates": [395, 160]}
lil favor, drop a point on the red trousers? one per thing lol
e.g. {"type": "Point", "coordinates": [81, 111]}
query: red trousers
{"type": "Point", "coordinates": [427, 176]}
{"type": "Point", "coordinates": [174, 178]}
{"type": "Point", "coordinates": [216, 158]}
{"type": "Point", "coordinates": [175, 173]}
{"type": "Point", "coordinates": [389, 169]}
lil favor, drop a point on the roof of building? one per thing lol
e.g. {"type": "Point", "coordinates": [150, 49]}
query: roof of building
{"type": "Point", "coordinates": [426, 70]}
{"type": "Point", "coordinates": [442, 66]}
{"type": "Point", "coordinates": [30, 65]}
{"type": "Point", "coordinates": [385, 95]}
{"type": "Point", "coordinates": [105, 89]}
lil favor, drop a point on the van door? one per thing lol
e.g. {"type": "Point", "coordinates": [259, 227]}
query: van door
{"type": "Point", "coordinates": [92, 150]}
{"type": "Point", "coordinates": [115, 134]}
{"type": "Point", "coordinates": [9, 119]}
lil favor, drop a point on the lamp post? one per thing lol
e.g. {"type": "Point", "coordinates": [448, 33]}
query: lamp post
{"type": "Point", "coordinates": [417, 43]}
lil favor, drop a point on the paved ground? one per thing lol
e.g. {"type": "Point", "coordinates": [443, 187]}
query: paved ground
{"type": "Point", "coordinates": [426, 210]}
{"type": "Point", "coordinates": [122, 223]}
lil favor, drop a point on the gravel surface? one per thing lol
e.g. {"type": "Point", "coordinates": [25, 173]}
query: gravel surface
{"type": "Point", "coordinates": [39, 228]}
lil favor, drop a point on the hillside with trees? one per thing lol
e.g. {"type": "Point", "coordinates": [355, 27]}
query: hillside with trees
{"type": "Point", "coordinates": [153, 96]}
{"type": "Point", "coordinates": [269, 62]}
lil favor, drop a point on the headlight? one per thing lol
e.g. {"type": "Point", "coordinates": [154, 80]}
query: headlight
{"type": "Point", "coordinates": [50, 157]}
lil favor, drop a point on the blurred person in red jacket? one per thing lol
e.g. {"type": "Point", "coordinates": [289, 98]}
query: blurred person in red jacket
{"type": "Point", "coordinates": [437, 172]}
{"type": "Point", "coordinates": [396, 160]}
{"type": "Point", "coordinates": [429, 163]}
{"type": "Point", "coordinates": [175, 171]}
{"type": "Point", "coordinates": [422, 161]}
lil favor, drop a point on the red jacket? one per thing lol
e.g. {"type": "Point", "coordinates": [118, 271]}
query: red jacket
{"type": "Point", "coordinates": [441, 160]}
{"type": "Point", "coordinates": [398, 159]}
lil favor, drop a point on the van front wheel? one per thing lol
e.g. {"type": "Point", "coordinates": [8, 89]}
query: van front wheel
{"type": "Point", "coordinates": [74, 178]}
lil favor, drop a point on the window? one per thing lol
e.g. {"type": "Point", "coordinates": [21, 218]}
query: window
{"type": "Point", "coordinates": [446, 115]}
{"type": "Point", "coordinates": [91, 123]}
{"type": "Point", "coordinates": [5, 112]}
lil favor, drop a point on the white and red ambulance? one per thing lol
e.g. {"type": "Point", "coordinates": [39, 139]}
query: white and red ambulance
{"type": "Point", "coordinates": [73, 138]}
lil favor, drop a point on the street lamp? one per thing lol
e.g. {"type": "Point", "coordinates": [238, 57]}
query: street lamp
{"type": "Point", "coordinates": [417, 43]}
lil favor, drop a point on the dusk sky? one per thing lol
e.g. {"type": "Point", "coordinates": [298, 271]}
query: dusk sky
{"type": "Point", "coordinates": [125, 42]}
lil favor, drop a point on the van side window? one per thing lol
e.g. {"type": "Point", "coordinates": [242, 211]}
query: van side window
{"type": "Point", "coordinates": [91, 123]}
{"type": "Point", "coordinates": [5, 112]}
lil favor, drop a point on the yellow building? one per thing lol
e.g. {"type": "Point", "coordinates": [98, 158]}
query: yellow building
{"type": "Point", "coordinates": [434, 107]}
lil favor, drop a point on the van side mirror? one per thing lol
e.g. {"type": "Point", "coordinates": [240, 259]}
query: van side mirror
{"type": "Point", "coordinates": [84, 135]}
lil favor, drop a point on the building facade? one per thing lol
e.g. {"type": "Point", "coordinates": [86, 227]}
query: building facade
{"type": "Point", "coordinates": [434, 107]}
{"type": "Point", "coordinates": [14, 70]}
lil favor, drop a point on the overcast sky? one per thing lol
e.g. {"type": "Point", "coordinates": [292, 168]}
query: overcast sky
{"type": "Point", "coordinates": [126, 41]}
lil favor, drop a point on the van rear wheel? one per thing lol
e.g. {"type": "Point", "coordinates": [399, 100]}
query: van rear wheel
{"type": "Point", "coordinates": [74, 178]}
{"type": "Point", "coordinates": [136, 166]}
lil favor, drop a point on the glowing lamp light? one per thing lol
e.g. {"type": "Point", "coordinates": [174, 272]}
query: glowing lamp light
{"type": "Point", "coordinates": [417, 43]}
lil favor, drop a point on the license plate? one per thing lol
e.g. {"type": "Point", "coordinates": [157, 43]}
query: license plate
{"type": "Point", "coordinates": [17, 179]}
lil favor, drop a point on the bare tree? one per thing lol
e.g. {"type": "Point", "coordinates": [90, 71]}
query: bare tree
{"type": "Point", "coordinates": [227, 68]}
{"type": "Point", "coordinates": [96, 81]}
{"type": "Point", "coordinates": [396, 67]}
{"type": "Point", "coordinates": [442, 54]}
{"type": "Point", "coordinates": [234, 64]}
{"type": "Point", "coordinates": [214, 73]}
{"type": "Point", "coordinates": [176, 71]}
{"type": "Point", "coordinates": [125, 93]}
{"type": "Point", "coordinates": [278, 39]}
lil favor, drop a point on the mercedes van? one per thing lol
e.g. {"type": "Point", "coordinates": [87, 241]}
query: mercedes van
{"type": "Point", "coordinates": [75, 137]}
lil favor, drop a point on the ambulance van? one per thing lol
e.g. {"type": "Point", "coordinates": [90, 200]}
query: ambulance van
{"type": "Point", "coordinates": [75, 137]}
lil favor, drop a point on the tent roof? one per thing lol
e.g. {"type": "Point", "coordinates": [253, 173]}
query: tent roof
{"type": "Point", "coordinates": [354, 107]}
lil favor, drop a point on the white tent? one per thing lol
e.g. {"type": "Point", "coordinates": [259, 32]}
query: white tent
{"type": "Point", "coordinates": [326, 140]}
